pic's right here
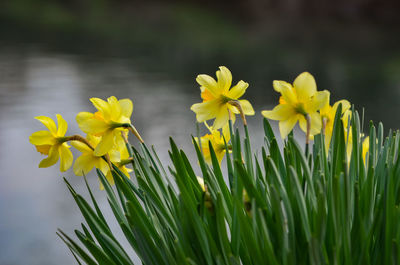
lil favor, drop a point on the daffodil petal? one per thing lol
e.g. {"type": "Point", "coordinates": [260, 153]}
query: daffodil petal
{"type": "Point", "coordinates": [316, 123]}
{"type": "Point", "coordinates": [106, 144]}
{"type": "Point", "coordinates": [345, 105]}
{"type": "Point", "coordinates": [115, 108]}
{"type": "Point", "coordinates": [288, 94]}
{"type": "Point", "coordinates": [206, 110]}
{"type": "Point", "coordinates": [224, 77]}
{"type": "Point", "coordinates": [246, 107]}
{"type": "Point", "coordinates": [42, 138]}
{"type": "Point", "coordinates": [209, 83]}
{"type": "Point", "coordinates": [280, 112]}
{"type": "Point", "coordinates": [81, 147]}
{"type": "Point", "coordinates": [52, 158]}
{"type": "Point", "coordinates": [102, 106]}
{"type": "Point", "coordinates": [84, 164]}
{"type": "Point", "coordinates": [103, 166]}
{"type": "Point", "coordinates": [221, 119]}
{"type": "Point", "coordinates": [66, 157]}
{"type": "Point", "coordinates": [279, 85]}
{"type": "Point", "coordinates": [49, 123]}
{"type": "Point", "coordinates": [94, 126]}
{"type": "Point", "coordinates": [317, 101]}
{"type": "Point", "coordinates": [126, 107]}
{"type": "Point", "coordinates": [286, 126]}
{"type": "Point", "coordinates": [305, 86]}
{"type": "Point", "coordinates": [237, 91]}
{"type": "Point", "coordinates": [62, 126]}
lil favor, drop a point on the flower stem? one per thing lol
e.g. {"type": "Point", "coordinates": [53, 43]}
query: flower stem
{"type": "Point", "coordinates": [133, 130]}
{"type": "Point", "coordinates": [237, 104]}
{"type": "Point", "coordinates": [79, 138]}
{"type": "Point", "coordinates": [308, 119]}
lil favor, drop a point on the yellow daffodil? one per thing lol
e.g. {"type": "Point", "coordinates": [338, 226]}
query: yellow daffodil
{"type": "Point", "coordinates": [328, 113]}
{"type": "Point", "coordinates": [219, 98]}
{"type": "Point", "coordinates": [217, 142]}
{"type": "Point", "coordinates": [298, 101]}
{"type": "Point", "coordinates": [112, 117]}
{"type": "Point", "coordinates": [53, 143]}
{"type": "Point", "coordinates": [88, 160]}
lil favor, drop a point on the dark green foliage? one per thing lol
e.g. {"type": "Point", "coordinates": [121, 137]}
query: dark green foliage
{"type": "Point", "coordinates": [279, 208]}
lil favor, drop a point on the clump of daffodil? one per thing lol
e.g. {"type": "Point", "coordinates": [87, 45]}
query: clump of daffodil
{"type": "Point", "coordinates": [219, 98]}
{"type": "Point", "coordinates": [328, 113]}
{"type": "Point", "coordinates": [217, 142]}
{"type": "Point", "coordinates": [299, 102]}
{"type": "Point", "coordinates": [112, 117]}
{"type": "Point", "coordinates": [53, 143]}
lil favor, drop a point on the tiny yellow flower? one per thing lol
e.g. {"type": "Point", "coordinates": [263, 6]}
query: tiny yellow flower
{"type": "Point", "coordinates": [365, 148]}
{"type": "Point", "coordinates": [106, 122]}
{"type": "Point", "coordinates": [217, 142]}
{"type": "Point", "coordinates": [298, 101]}
{"type": "Point", "coordinates": [201, 183]}
{"type": "Point", "coordinates": [328, 113]}
{"type": "Point", "coordinates": [53, 143]}
{"type": "Point", "coordinates": [217, 96]}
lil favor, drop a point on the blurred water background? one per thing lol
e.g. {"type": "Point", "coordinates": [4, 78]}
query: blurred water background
{"type": "Point", "coordinates": [55, 55]}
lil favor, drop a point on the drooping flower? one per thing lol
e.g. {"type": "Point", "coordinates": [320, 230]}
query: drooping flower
{"type": "Point", "coordinates": [297, 102]}
{"type": "Point", "coordinates": [53, 143]}
{"type": "Point", "coordinates": [88, 160]}
{"type": "Point", "coordinates": [217, 142]}
{"type": "Point", "coordinates": [219, 98]}
{"type": "Point", "coordinates": [107, 122]}
{"type": "Point", "coordinates": [328, 113]}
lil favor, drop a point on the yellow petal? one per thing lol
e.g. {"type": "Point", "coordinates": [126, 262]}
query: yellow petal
{"type": "Point", "coordinates": [280, 85]}
{"type": "Point", "coordinates": [224, 77]}
{"type": "Point", "coordinates": [84, 164]}
{"type": "Point", "coordinates": [345, 106]}
{"type": "Point", "coordinates": [66, 157]}
{"type": "Point", "coordinates": [280, 112]}
{"type": "Point", "coordinates": [206, 110]}
{"type": "Point", "coordinates": [221, 119]}
{"type": "Point", "coordinates": [106, 143]}
{"type": "Point", "coordinates": [62, 126]}
{"type": "Point", "coordinates": [316, 123]}
{"type": "Point", "coordinates": [326, 109]}
{"type": "Point", "coordinates": [52, 158]}
{"type": "Point", "coordinates": [94, 126]}
{"type": "Point", "coordinates": [115, 108]}
{"type": "Point", "coordinates": [365, 148]}
{"type": "Point", "coordinates": [288, 94]}
{"type": "Point", "coordinates": [43, 149]}
{"type": "Point", "coordinates": [102, 106]}
{"type": "Point", "coordinates": [286, 126]}
{"type": "Point", "coordinates": [305, 86]}
{"type": "Point", "coordinates": [317, 101]}
{"type": "Point", "coordinates": [49, 123]}
{"type": "Point", "coordinates": [206, 94]}
{"type": "Point", "coordinates": [238, 90]}
{"type": "Point", "coordinates": [81, 147]}
{"type": "Point", "coordinates": [126, 107]}
{"type": "Point", "coordinates": [103, 166]}
{"type": "Point", "coordinates": [209, 83]}
{"type": "Point", "coordinates": [42, 138]}
{"type": "Point", "coordinates": [246, 107]}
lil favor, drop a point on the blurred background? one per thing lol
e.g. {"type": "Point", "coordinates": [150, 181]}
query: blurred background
{"type": "Point", "coordinates": [55, 55]}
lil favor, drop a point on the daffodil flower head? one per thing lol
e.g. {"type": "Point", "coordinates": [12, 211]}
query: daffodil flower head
{"type": "Point", "coordinates": [52, 142]}
{"type": "Point", "coordinates": [88, 160]}
{"type": "Point", "coordinates": [297, 102]}
{"type": "Point", "coordinates": [217, 95]}
{"type": "Point", "coordinates": [217, 142]}
{"type": "Point", "coordinates": [107, 122]}
{"type": "Point", "coordinates": [328, 113]}
{"type": "Point", "coordinates": [365, 148]}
